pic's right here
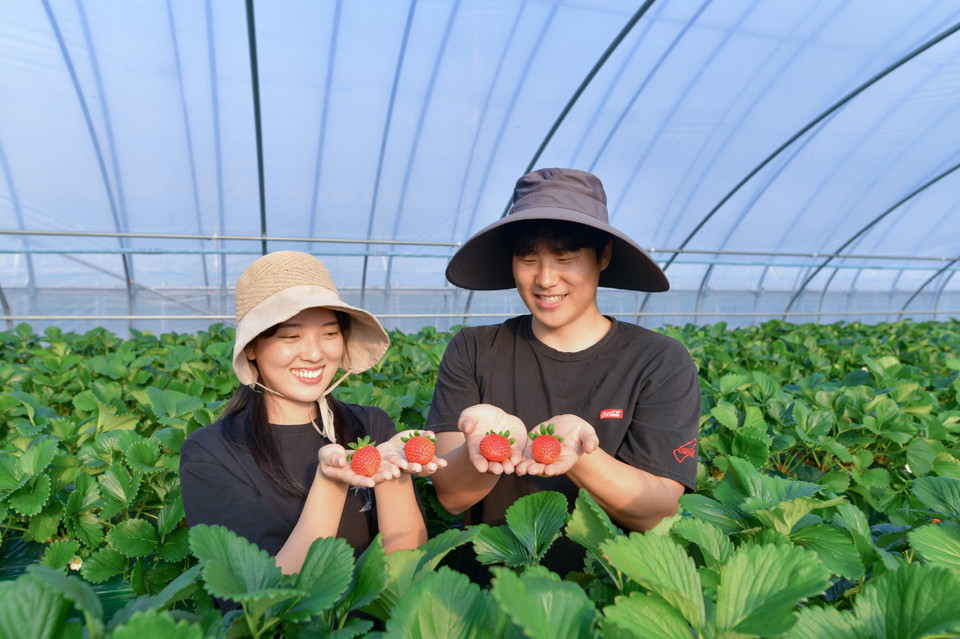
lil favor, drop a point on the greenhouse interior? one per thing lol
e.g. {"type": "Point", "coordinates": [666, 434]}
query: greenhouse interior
{"type": "Point", "coordinates": [765, 445]}
{"type": "Point", "coordinates": [791, 160]}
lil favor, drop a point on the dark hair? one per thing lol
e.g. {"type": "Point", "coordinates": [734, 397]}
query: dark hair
{"type": "Point", "coordinates": [254, 430]}
{"type": "Point", "coordinates": [556, 236]}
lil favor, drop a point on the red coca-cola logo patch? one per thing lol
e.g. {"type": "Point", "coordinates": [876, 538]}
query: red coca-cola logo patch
{"type": "Point", "coordinates": [611, 413]}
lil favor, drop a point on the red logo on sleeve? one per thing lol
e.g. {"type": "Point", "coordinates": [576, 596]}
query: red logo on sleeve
{"type": "Point", "coordinates": [687, 450]}
{"type": "Point", "coordinates": [611, 413]}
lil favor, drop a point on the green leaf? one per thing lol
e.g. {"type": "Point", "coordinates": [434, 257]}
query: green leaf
{"type": "Point", "coordinates": [939, 544]}
{"type": "Point", "coordinates": [443, 604]}
{"type": "Point", "coordinates": [59, 553]}
{"type": "Point", "coordinates": [369, 578]}
{"type": "Point", "coordinates": [818, 623]}
{"type": "Point", "coordinates": [34, 609]}
{"type": "Point", "coordinates": [170, 515]}
{"type": "Point", "coordinates": [837, 552]}
{"type": "Point", "coordinates": [644, 615]}
{"type": "Point", "coordinates": [171, 405]}
{"type": "Point", "coordinates": [143, 454]}
{"type": "Point", "coordinates": [325, 575]}
{"type": "Point", "coordinates": [76, 590]}
{"type": "Point", "coordinates": [36, 459]}
{"type": "Point", "coordinates": [175, 546]}
{"type": "Point", "coordinates": [543, 606]}
{"type": "Point", "coordinates": [30, 498]}
{"type": "Point", "coordinates": [133, 537]}
{"type": "Point", "coordinates": [714, 544]}
{"type": "Point", "coordinates": [589, 526]}
{"type": "Point", "coordinates": [726, 414]}
{"type": "Point", "coordinates": [536, 520]}
{"type": "Point", "coordinates": [119, 485]}
{"type": "Point", "coordinates": [233, 567]}
{"type": "Point", "coordinates": [86, 527]}
{"type": "Point", "coordinates": [108, 420]}
{"type": "Point", "coordinates": [939, 494]}
{"type": "Point", "coordinates": [498, 545]}
{"type": "Point", "coordinates": [103, 564]}
{"type": "Point", "coordinates": [917, 600]}
{"type": "Point", "coordinates": [154, 624]}
{"type": "Point", "coordinates": [45, 524]}
{"type": "Point", "coordinates": [663, 567]}
{"type": "Point", "coordinates": [184, 584]}
{"type": "Point", "coordinates": [726, 518]}
{"type": "Point", "coordinates": [761, 585]}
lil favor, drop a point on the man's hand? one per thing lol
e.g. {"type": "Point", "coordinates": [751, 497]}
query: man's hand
{"type": "Point", "coordinates": [392, 451]}
{"type": "Point", "coordinates": [335, 467]}
{"type": "Point", "coordinates": [476, 421]}
{"type": "Point", "coordinates": [579, 437]}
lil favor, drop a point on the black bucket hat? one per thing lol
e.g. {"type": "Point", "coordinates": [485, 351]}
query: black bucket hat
{"type": "Point", "coordinates": [483, 263]}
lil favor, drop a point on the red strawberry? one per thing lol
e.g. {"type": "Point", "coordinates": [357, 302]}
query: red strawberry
{"type": "Point", "coordinates": [546, 445]}
{"type": "Point", "coordinates": [496, 446]}
{"type": "Point", "coordinates": [365, 459]}
{"type": "Point", "coordinates": [419, 447]}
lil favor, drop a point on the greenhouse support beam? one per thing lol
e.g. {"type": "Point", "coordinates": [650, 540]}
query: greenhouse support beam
{"type": "Point", "coordinates": [770, 314]}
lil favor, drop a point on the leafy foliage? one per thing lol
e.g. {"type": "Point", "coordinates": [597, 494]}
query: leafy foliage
{"type": "Point", "coordinates": [827, 502]}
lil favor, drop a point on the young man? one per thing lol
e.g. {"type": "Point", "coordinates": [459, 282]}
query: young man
{"type": "Point", "coordinates": [626, 400]}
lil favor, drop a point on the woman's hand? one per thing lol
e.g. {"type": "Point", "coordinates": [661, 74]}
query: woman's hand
{"type": "Point", "coordinates": [476, 421]}
{"type": "Point", "coordinates": [335, 467]}
{"type": "Point", "coordinates": [392, 451]}
{"type": "Point", "coordinates": [579, 437]}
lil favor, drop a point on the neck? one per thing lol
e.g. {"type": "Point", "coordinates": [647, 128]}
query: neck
{"type": "Point", "coordinates": [575, 337]}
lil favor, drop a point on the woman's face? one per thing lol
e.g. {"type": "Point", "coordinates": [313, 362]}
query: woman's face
{"type": "Point", "coordinates": [298, 363]}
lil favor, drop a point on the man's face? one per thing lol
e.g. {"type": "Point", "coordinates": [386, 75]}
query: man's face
{"type": "Point", "coordinates": [560, 289]}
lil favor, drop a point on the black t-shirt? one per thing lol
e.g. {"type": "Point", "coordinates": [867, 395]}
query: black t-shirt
{"type": "Point", "coordinates": [639, 389]}
{"type": "Point", "coordinates": [222, 484]}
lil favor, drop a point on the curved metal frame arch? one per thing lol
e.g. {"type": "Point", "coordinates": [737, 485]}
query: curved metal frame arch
{"type": "Point", "coordinates": [431, 85]}
{"type": "Point", "coordinates": [257, 121]}
{"type": "Point", "coordinates": [98, 152]}
{"type": "Point", "coordinates": [324, 109]}
{"type": "Point", "coordinates": [836, 106]}
{"type": "Point", "coordinates": [383, 142]}
{"type": "Point", "coordinates": [188, 134]}
{"type": "Point", "coordinates": [866, 228]}
{"type": "Point", "coordinates": [930, 280]}
{"type": "Point", "coordinates": [483, 118]}
{"type": "Point", "coordinates": [624, 31]}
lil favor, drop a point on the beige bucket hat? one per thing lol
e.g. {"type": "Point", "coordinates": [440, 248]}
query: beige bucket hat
{"type": "Point", "coordinates": [279, 285]}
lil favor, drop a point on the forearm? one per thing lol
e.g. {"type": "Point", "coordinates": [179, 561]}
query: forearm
{"type": "Point", "coordinates": [320, 518]}
{"type": "Point", "coordinates": [636, 499]}
{"type": "Point", "coordinates": [399, 517]}
{"type": "Point", "coordinates": [460, 485]}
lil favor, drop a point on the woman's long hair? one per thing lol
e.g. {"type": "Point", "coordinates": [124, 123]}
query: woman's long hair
{"type": "Point", "coordinates": [253, 429]}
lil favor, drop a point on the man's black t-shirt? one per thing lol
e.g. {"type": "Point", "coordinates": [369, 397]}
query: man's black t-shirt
{"type": "Point", "coordinates": [639, 389]}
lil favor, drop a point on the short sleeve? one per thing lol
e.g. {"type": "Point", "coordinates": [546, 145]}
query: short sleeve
{"type": "Point", "coordinates": [457, 386]}
{"type": "Point", "coordinates": [662, 436]}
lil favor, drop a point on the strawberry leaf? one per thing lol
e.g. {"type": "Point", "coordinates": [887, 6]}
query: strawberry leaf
{"type": "Point", "coordinates": [656, 617]}
{"type": "Point", "coordinates": [59, 553]}
{"type": "Point", "coordinates": [232, 566]}
{"type": "Point", "coordinates": [543, 606]}
{"type": "Point", "coordinates": [154, 624]}
{"type": "Point", "coordinates": [133, 537]}
{"type": "Point", "coordinates": [536, 521]}
{"type": "Point", "coordinates": [761, 585]}
{"type": "Point", "coordinates": [939, 544]}
{"type": "Point", "coordinates": [103, 564]}
{"type": "Point", "coordinates": [444, 604]}
{"type": "Point", "coordinates": [31, 608]}
{"type": "Point", "coordinates": [325, 576]}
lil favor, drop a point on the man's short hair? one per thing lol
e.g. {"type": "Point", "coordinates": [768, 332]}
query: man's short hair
{"type": "Point", "coordinates": [556, 236]}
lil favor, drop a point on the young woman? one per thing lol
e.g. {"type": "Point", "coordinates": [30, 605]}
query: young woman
{"type": "Point", "coordinates": [274, 467]}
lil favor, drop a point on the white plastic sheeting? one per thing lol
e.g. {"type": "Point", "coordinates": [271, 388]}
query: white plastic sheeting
{"type": "Point", "coordinates": [780, 158]}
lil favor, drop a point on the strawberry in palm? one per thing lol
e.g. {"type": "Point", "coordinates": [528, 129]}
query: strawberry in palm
{"type": "Point", "coordinates": [365, 459]}
{"type": "Point", "coordinates": [546, 445]}
{"type": "Point", "coordinates": [419, 447]}
{"type": "Point", "coordinates": [496, 447]}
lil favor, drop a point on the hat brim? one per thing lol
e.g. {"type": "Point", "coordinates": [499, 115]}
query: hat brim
{"type": "Point", "coordinates": [483, 263]}
{"type": "Point", "coordinates": [367, 343]}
